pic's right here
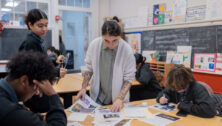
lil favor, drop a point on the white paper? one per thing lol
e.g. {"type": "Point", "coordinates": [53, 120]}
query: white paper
{"type": "Point", "coordinates": [214, 9]}
{"type": "Point", "coordinates": [164, 108]}
{"type": "Point", "coordinates": [186, 51]}
{"type": "Point", "coordinates": [147, 54]}
{"type": "Point", "coordinates": [169, 57]}
{"type": "Point", "coordinates": [87, 105]}
{"type": "Point", "coordinates": [157, 121]}
{"type": "Point", "coordinates": [74, 124]}
{"type": "Point", "coordinates": [77, 116]}
{"type": "Point", "coordinates": [106, 115]}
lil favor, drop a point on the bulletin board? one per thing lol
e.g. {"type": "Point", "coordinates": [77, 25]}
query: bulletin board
{"type": "Point", "coordinates": [205, 62]}
{"type": "Point", "coordinates": [134, 39]}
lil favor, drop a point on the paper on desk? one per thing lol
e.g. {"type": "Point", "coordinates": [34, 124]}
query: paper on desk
{"type": "Point", "coordinates": [112, 123]}
{"type": "Point", "coordinates": [86, 105]}
{"type": "Point", "coordinates": [159, 120]}
{"type": "Point", "coordinates": [104, 114]}
{"type": "Point", "coordinates": [164, 108]}
{"type": "Point", "coordinates": [77, 116]}
{"type": "Point", "coordinates": [137, 111]}
{"type": "Point", "coordinates": [74, 124]}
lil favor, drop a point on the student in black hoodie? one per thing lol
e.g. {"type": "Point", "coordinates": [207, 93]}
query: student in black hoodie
{"type": "Point", "coordinates": [26, 77]}
{"type": "Point", "coordinates": [37, 23]}
{"type": "Point", "coordinates": [150, 86]}
{"type": "Point", "coordinates": [190, 96]}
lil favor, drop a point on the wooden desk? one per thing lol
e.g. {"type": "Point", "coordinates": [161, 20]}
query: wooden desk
{"type": "Point", "coordinates": [70, 85]}
{"type": "Point", "coordinates": [185, 121]}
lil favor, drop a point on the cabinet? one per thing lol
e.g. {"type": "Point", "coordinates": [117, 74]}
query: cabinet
{"type": "Point", "coordinates": [160, 70]}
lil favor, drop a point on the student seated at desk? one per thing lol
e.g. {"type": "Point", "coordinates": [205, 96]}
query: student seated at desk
{"type": "Point", "coordinates": [26, 77]}
{"type": "Point", "coordinates": [189, 95]}
{"type": "Point", "coordinates": [150, 86]}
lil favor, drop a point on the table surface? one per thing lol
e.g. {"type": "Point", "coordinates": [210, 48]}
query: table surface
{"type": "Point", "coordinates": [73, 83]}
{"type": "Point", "coordinates": [190, 120]}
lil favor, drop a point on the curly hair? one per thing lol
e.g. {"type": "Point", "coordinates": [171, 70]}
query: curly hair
{"type": "Point", "coordinates": [111, 27]}
{"type": "Point", "coordinates": [179, 77]}
{"type": "Point", "coordinates": [35, 65]}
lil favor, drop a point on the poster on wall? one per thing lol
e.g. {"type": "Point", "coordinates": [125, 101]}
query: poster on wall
{"type": "Point", "coordinates": [186, 51]}
{"type": "Point", "coordinates": [134, 40]}
{"type": "Point", "coordinates": [168, 17]}
{"type": "Point", "coordinates": [214, 9]}
{"type": "Point", "coordinates": [179, 11]}
{"type": "Point", "coordinates": [219, 63]}
{"type": "Point", "coordinates": [155, 14]}
{"type": "Point", "coordinates": [196, 13]}
{"type": "Point", "coordinates": [205, 62]}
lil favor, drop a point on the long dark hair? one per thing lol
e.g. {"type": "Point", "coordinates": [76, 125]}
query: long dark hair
{"type": "Point", "coordinates": [139, 58]}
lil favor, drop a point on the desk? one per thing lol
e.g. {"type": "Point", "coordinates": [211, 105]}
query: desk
{"type": "Point", "coordinates": [70, 85]}
{"type": "Point", "coordinates": [185, 121]}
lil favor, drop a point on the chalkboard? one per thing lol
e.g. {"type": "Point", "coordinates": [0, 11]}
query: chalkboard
{"type": "Point", "coordinates": [11, 39]}
{"type": "Point", "coordinates": [206, 39]}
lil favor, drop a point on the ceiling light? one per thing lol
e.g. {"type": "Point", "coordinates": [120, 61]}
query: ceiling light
{"type": "Point", "coordinates": [6, 9]}
{"type": "Point", "coordinates": [10, 4]}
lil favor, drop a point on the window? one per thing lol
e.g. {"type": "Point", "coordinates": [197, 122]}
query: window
{"type": "Point", "coordinates": [12, 12]}
{"type": "Point", "coordinates": [75, 3]}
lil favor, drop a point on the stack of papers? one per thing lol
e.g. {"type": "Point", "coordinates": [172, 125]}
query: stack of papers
{"type": "Point", "coordinates": [86, 105]}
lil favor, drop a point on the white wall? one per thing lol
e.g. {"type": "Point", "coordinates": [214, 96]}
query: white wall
{"type": "Point", "coordinates": [129, 8]}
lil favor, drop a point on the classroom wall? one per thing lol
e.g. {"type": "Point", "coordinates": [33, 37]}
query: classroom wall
{"type": "Point", "coordinates": [131, 7]}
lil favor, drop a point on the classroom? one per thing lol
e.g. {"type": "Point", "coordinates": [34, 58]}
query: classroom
{"type": "Point", "coordinates": [111, 62]}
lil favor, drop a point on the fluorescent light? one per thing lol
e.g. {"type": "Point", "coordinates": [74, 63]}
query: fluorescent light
{"type": "Point", "coordinates": [10, 4]}
{"type": "Point", "coordinates": [6, 9]}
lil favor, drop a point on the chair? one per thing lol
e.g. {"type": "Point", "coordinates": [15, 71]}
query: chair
{"type": "Point", "coordinates": [209, 89]}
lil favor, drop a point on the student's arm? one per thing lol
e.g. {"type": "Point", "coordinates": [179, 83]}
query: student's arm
{"type": "Point", "coordinates": [23, 117]}
{"type": "Point", "coordinates": [203, 105]}
{"type": "Point", "coordinates": [128, 77]}
{"type": "Point", "coordinates": [165, 93]}
{"type": "Point", "coordinates": [55, 116]}
{"type": "Point", "coordinates": [87, 74]}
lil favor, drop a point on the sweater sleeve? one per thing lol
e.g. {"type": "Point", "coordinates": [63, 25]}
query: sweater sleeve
{"type": "Point", "coordinates": [202, 105]}
{"type": "Point", "coordinates": [23, 117]}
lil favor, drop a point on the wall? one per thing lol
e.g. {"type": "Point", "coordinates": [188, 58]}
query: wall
{"type": "Point", "coordinates": [130, 9]}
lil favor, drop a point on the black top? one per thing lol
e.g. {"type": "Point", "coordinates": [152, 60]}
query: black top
{"type": "Point", "coordinates": [14, 114]}
{"type": "Point", "coordinates": [32, 42]}
{"type": "Point", "coordinates": [146, 77]}
{"type": "Point", "coordinates": [195, 100]}
{"type": "Point", "coordinates": [35, 43]}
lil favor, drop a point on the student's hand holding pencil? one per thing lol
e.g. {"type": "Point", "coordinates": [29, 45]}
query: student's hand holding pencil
{"type": "Point", "coordinates": [163, 100]}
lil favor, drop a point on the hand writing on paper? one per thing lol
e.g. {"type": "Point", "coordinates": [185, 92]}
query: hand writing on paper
{"type": "Point", "coordinates": [117, 105]}
{"type": "Point", "coordinates": [163, 100]}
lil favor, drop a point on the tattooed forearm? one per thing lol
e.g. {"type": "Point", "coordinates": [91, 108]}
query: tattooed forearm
{"type": "Point", "coordinates": [124, 90]}
{"type": "Point", "coordinates": [87, 76]}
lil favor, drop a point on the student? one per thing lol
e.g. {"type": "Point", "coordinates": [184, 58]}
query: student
{"type": "Point", "coordinates": [190, 96]}
{"type": "Point", "coordinates": [37, 23]}
{"type": "Point", "coordinates": [26, 77]}
{"type": "Point", "coordinates": [150, 86]}
{"type": "Point", "coordinates": [110, 61]}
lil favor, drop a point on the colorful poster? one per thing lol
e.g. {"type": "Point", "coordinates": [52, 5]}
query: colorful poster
{"type": "Point", "coordinates": [205, 62]}
{"type": "Point", "coordinates": [196, 13]}
{"type": "Point", "coordinates": [134, 40]}
{"type": "Point", "coordinates": [168, 17]}
{"type": "Point", "coordinates": [214, 9]}
{"type": "Point", "coordinates": [186, 51]}
{"type": "Point", "coordinates": [179, 11]}
{"type": "Point", "coordinates": [161, 18]}
{"type": "Point", "coordinates": [162, 8]}
{"type": "Point", "coordinates": [155, 14]}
